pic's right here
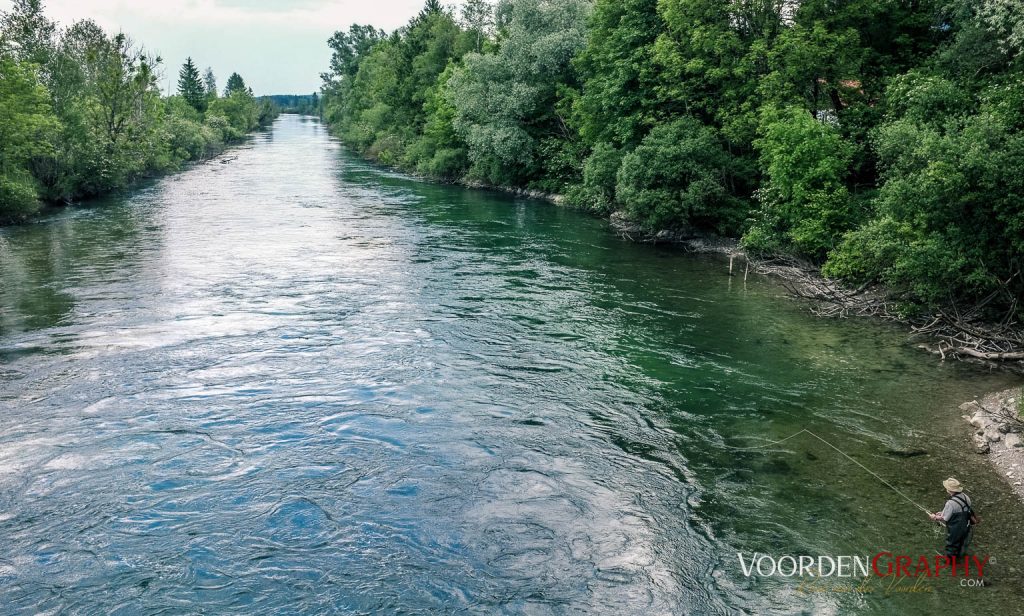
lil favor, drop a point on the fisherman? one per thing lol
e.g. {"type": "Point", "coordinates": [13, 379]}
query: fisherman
{"type": "Point", "coordinates": [958, 516]}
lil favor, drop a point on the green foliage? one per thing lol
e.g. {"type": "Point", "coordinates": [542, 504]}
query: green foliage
{"type": "Point", "coordinates": [597, 190]}
{"type": "Point", "coordinates": [879, 138]}
{"type": "Point", "coordinates": [805, 204]}
{"type": "Point", "coordinates": [506, 103]}
{"type": "Point", "coordinates": [210, 84]}
{"type": "Point", "coordinates": [80, 113]}
{"type": "Point", "coordinates": [191, 87]}
{"type": "Point", "coordinates": [380, 95]}
{"type": "Point", "coordinates": [620, 99]}
{"type": "Point", "coordinates": [1006, 19]}
{"type": "Point", "coordinates": [303, 104]}
{"type": "Point", "coordinates": [678, 177]}
{"type": "Point", "coordinates": [236, 85]}
{"type": "Point", "coordinates": [439, 152]}
{"type": "Point", "coordinates": [18, 196]}
{"type": "Point", "coordinates": [239, 110]}
{"type": "Point", "coordinates": [27, 126]}
{"type": "Point", "coordinates": [949, 221]}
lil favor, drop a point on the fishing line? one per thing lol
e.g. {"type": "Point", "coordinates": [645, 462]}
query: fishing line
{"type": "Point", "coordinates": [841, 452]}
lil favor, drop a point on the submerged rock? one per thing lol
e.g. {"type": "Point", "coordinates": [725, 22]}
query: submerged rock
{"type": "Point", "coordinates": [906, 453]}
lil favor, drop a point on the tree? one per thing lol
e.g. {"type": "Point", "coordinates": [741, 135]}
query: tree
{"type": "Point", "coordinates": [27, 32]}
{"type": "Point", "coordinates": [620, 95]}
{"type": "Point", "coordinates": [948, 222]}
{"type": "Point", "coordinates": [235, 84]}
{"type": "Point", "coordinates": [805, 204]}
{"type": "Point", "coordinates": [26, 128]}
{"type": "Point", "coordinates": [348, 48]}
{"type": "Point", "coordinates": [380, 92]}
{"type": "Point", "coordinates": [478, 19]}
{"type": "Point", "coordinates": [191, 87]}
{"type": "Point", "coordinates": [210, 83]}
{"type": "Point", "coordinates": [81, 114]}
{"type": "Point", "coordinates": [1006, 18]}
{"type": "Point", "coordinates": [507, 103]}
{"type": "Point", "coordinates": [678, 177]}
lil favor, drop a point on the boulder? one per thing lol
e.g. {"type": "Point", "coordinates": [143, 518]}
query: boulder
{"type": "Point", "coordinates": [981, 419]}
{"type": "Point", "coordinates": [1012, 440]}
{"type": "Point", "coordinates": [993, 434]}
{"type": "Point", "coordinates": [981, 444]}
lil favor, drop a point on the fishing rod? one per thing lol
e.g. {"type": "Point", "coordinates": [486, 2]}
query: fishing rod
{"type": "Point", "coordinates": [842, 453]}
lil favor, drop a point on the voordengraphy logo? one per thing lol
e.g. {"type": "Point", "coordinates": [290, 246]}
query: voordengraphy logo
{"type": "Point", "coordinates": [855, 573]}
{"type": "Point", "coordinates": [882, 564]}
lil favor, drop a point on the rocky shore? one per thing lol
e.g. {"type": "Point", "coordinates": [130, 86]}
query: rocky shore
{"type": "Point", "coordinates": [998, 428]}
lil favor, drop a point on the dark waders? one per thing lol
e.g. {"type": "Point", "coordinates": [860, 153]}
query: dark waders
{"type": "Point", "coordinates": [958, 529]}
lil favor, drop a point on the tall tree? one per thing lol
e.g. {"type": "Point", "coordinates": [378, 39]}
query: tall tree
{"type": "Point", "coordinates": [235, 84]}
{"type": "Point", "coordinates": [26, 126]}
{"type": "Point", "coordinates": [507, 103]}
{"type": "Point", "coordinates": [210, 82]}
{"type": "Point", "coordinates": [27, 32]}
{"type": "Point", "coordinates": [478, 19]}
{"type": "Point", "coordinates": [191, 86]}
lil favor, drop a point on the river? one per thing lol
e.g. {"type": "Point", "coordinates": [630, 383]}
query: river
{"type": "Point", "coordinates": [286, 380]}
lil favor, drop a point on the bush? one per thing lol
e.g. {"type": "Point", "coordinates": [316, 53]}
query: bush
{"type": "Point", "coordinates": [447, 163]}
{"type": "Point", "coordinates": [804, 202]}
{"type": "Point", "coordinates": [677, 177]}
{"type": "Point", "coordinates": [18, 196]}
{"type": "Point", "coordinates": [597, 190]}
{"type": "Point", "coordinates": [950, 223]}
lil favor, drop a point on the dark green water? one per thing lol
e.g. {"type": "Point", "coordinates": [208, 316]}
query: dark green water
{"type": "Point", "coordinates": [290, 382]}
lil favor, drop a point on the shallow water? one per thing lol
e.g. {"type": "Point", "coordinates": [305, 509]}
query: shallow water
{"type": "Point", "coordinates": [288, 381]}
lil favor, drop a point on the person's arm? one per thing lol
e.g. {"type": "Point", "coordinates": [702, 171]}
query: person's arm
{"type": "Point", "coordinates": [945, 514]}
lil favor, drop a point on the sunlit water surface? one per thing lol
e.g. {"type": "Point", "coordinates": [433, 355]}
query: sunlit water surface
{"type": "Point", "coordinates": [288, 381]}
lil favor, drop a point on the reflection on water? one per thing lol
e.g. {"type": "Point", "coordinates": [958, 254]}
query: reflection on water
{"type": "Point", "coordinates": [286, 380]}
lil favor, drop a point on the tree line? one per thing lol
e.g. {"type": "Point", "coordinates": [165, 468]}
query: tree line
{"type": "Point", "coordinates": [81, 112]}
{"type": "Point", "coordinates": [302, 104]}
{"type": "Point", "coordinates": [878, 139]}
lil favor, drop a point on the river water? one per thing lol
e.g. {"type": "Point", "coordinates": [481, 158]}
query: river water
{"type": "Point", "coordinates": [288, 381]}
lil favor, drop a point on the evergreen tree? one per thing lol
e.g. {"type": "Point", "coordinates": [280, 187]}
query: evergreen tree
{"type": "Point", "coordinates": [235, 84]}
{"type": "Point", "coordinates": [191, 87]}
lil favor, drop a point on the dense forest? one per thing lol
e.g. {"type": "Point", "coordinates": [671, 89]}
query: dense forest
{"type": "Point", "coordinates": [303, 104]}
{"type": "Point", "coordinates": [81, 113]}
{"type": "Point", "coordinates": [878, 139]}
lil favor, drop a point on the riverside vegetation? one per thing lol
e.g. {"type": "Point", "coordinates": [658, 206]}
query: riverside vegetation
{"type": "Point", "coordinates": [879, 141]}
{"type": "Point", "coordinates": [81, 113]}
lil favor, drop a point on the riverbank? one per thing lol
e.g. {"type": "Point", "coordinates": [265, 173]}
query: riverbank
{"type": "Point", "coordinates": [48, 207]}
{"type": "Point", "coordinates": [955, 336]}
{"type": "Point", "coordinates": [997, 424]}
{"type": "Point", "coordinates": [948, 336]}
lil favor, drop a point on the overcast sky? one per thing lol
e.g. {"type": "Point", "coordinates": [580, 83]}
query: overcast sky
{"type": "Point", "coordinates": [278, 47]}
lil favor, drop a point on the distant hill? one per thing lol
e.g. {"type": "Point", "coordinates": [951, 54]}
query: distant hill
{"type": "Point", "coordinates": [306, 104]}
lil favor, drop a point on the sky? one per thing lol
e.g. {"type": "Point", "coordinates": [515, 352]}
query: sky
{"type": "Point", "coordinates": [278, 47]}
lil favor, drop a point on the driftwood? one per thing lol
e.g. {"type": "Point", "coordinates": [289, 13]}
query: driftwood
{"type": "Point", "coordinates": [969, 333]}
{"type": "Point", "coordinates": [963, 334]}
{"type": "Point", "coordinates": [956, 333]}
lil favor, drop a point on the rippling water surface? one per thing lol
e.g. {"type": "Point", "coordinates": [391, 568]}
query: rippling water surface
{"type": "Point", "coordinates": [288, 381]}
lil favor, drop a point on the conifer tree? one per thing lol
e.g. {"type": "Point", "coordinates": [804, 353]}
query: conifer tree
{"type": "Point", "coordinates": [235, 84]}
{"type": "Point", "coordinates": [191, 87]}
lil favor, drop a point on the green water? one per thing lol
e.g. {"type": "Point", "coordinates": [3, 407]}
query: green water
{"type": "Point", "coordinates": [291, 381]}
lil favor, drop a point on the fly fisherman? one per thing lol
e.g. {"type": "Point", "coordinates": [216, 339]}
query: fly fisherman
{"type": "Point", "coordinates": [958, 516]}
